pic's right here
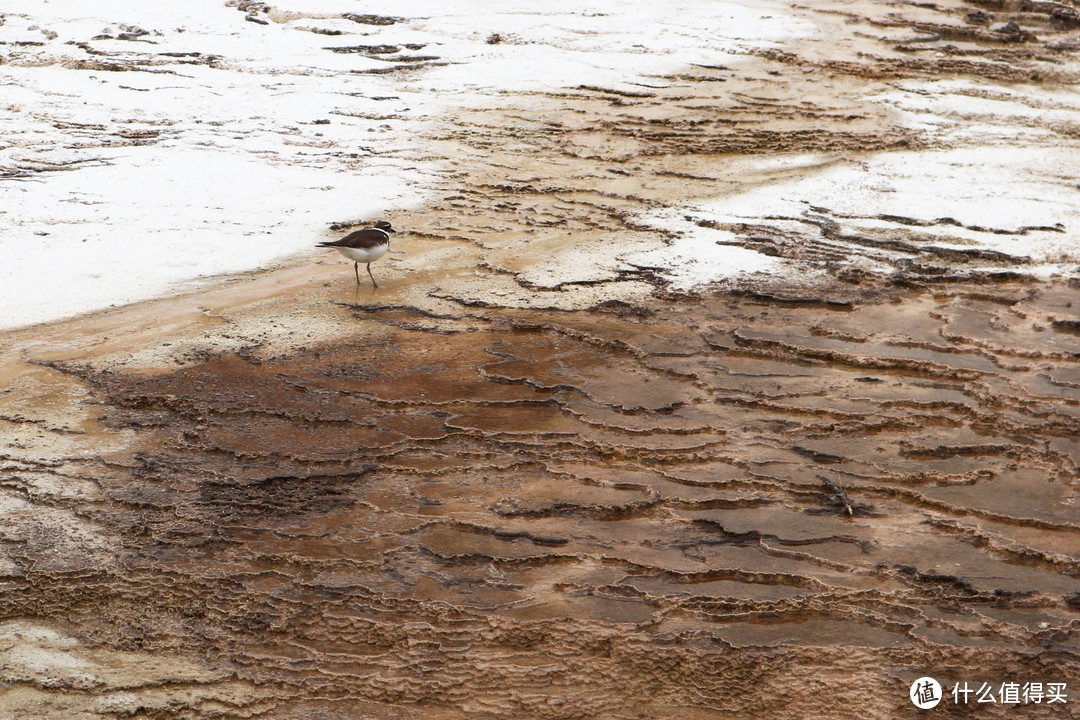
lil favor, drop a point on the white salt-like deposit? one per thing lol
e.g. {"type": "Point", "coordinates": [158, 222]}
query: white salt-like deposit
{"type": "Point", "coordinates": [122, 186]}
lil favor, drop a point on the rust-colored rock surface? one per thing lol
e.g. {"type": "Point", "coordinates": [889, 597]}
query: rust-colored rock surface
{"type": "Point", "coordinates": [763, 505]}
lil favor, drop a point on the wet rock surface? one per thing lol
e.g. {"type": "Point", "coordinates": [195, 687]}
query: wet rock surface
{"type": "Point", "coordinates": [542, 472]}
{"type": "Point", "coordinates": [768, 505]}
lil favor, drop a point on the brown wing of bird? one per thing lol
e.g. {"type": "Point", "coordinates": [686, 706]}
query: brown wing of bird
{"type": "Point", "coordinates": [362, 239]}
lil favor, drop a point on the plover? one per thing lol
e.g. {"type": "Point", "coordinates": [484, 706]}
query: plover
{"type": "Point", "coordinates": [364, 246]}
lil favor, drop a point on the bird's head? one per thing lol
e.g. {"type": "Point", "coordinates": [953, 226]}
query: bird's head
{"type": "Point", "coordinates": [383, 225]}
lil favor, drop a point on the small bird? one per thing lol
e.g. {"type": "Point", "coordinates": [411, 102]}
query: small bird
{"type": "Point", "coordinates": [364, 246]}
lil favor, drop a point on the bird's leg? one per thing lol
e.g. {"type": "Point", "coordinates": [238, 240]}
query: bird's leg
{"type": "Point", "coordinates": [373, 283]}
{"type": "Point", "coordinates": [356, 269]}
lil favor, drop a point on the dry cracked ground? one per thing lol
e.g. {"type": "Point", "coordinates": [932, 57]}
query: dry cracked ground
{"type": "Point", "coordinates": [529, 479]}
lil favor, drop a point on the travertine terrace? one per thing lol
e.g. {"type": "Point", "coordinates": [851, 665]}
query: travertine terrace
{"type": "Point", "coordinates": [546, 471]}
